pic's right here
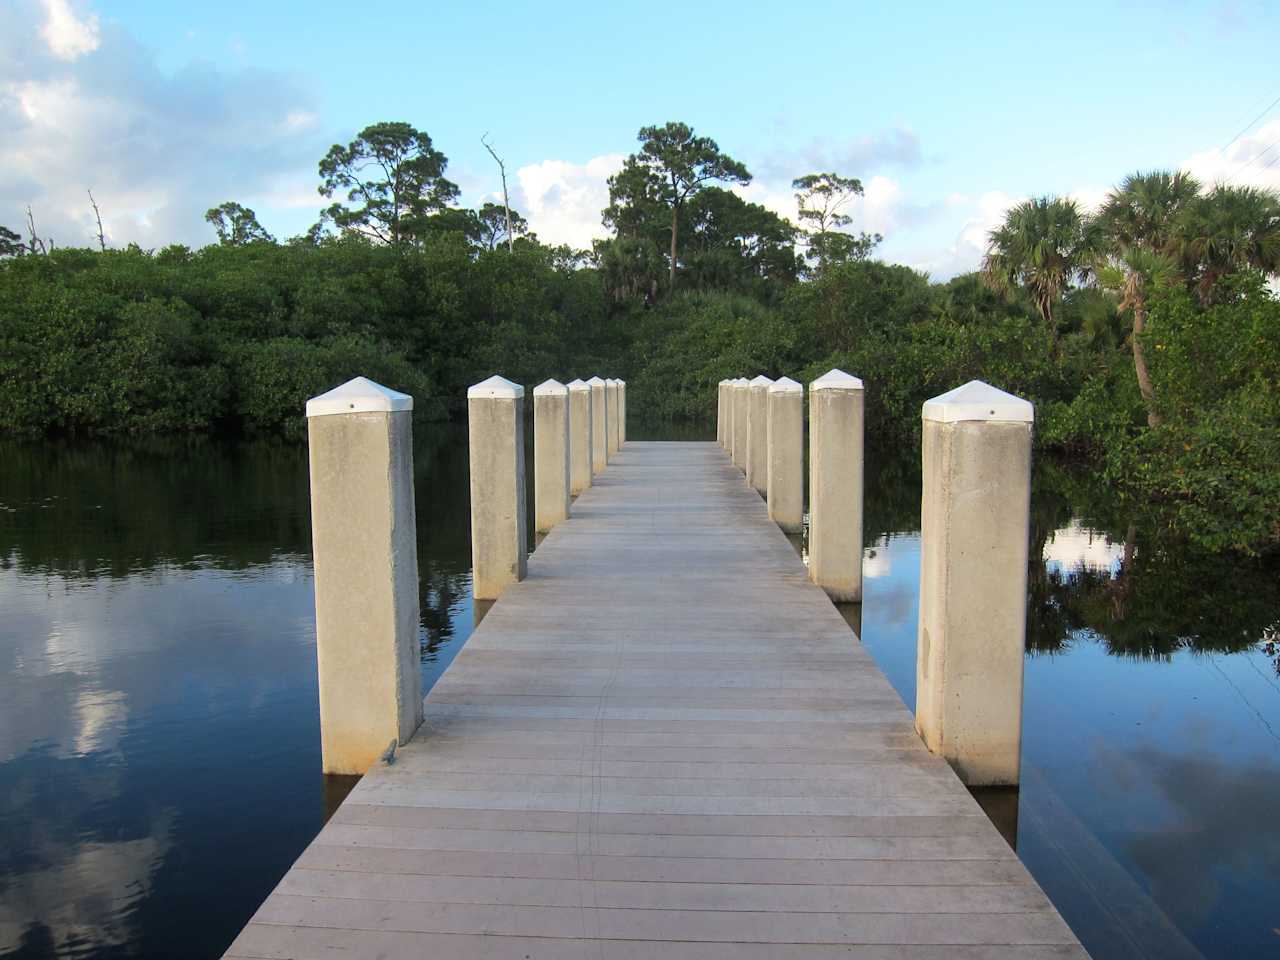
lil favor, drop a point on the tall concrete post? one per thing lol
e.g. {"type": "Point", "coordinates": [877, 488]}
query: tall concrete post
{"type": "Point", "coordinates": [622, 412]}
{"type": "Point", "coordinates": [730, 435]}
{"type": "Point", "coordinates": [495, 423]}
{"type": "Point", "coordinates": [720, 424]}
{"type": "Point", "coordinates": [835, 485]}
{"type": "Point", "coordinates": [613, 406]}
{"type": "Point", "coordinates": [550, 454]}
{"type": "Point", "coordinates": [579, 436]}
{"type": "Point", "coordinates": [599, 425]}
{"type": "Point", "coordinates": [785, 457]}
{"type": "Point", "coordinates": [365, 549]}
{"type": "Point", "coordinates": [741, 391]}
{"type": "Point", "coordinates": [974, 531]}
{"type": "Point", "coordinates": [758, 434]}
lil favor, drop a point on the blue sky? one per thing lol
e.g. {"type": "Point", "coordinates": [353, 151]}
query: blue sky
{"type": "Point", "coordinates": [948, 112]}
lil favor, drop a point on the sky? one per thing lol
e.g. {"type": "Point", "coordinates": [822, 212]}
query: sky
{"type": "Point", "coordinates": [948, 112]}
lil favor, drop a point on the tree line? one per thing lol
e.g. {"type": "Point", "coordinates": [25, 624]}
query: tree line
{"type": "Point", "coordinates": [1147, 334]}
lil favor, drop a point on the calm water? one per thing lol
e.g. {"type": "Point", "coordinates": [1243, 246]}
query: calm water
{"type": "Point", "coordinates": [159, 750]}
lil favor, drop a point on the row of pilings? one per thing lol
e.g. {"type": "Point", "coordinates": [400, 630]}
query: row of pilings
{"type": "Point", "coordinates": [975, 510]}
{"type": "Point", "coordinates": [364, 533]}
{"type": "Point", "coordinates": [974, 532]}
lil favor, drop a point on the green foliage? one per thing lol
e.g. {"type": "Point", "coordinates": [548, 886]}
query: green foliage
{"type": "Point", "coordinates": [1208, 468]}
{"type": "Point", "coordinates": [394, 183]}
{"type": "Point", "coordinates": [1146, 337]}
{"type": "Point", "coordinates": [236, 225]}
{"type": "Point", "coordinates": [648, 196]}
{"type": "Point", "coordinates": [1212, 460]}
{"type": "Point", "coordinates": [11, 244]}
{"type": "Point", "coordinates": [820, 198]}
{"type": "Point", "coordinates": [126, 341]}
{"type": "Point", "coordinates": [493, 225]}
{"type": "Point", "coordinates": [274, 378]}
{"type": "Point", "coordinates": [692, 341]}
{"type": "Point", "coordinates": [1042, 246]}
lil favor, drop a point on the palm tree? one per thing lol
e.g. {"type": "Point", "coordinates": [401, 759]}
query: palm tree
{"type": "Point", "coordinates": [1133, 272]}
{"type": "Point", "coordinates": [1143, 223]}
{"type": "Point", "coordinates": [1230, 229]}
{"type": "Point", "coordinates": [1043, 244]}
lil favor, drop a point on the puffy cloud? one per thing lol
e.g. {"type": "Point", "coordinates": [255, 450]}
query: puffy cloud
{"type": "Point", "coordinates": [851, 157]}
{"type": "Point", "coordinates": [1252, 160]}
{"type": "Point", "coordinates": [1090, 199]}
{"type": "Point", "coordinates": [1077, 547]}
{"type": "Point", "coordinates": [67, 35]}
{"type": "Point", "coordinates": [964, 253]}
{"type": "Point", "coordinates": [84, 106]}
{"type": "Point", "coordinates": [562, 200]}
{"type": "Point", "coordinates": [883, 208]}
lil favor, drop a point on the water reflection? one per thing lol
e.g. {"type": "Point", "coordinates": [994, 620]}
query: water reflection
{"type": "Point", "coordinates": [1151, 713]}
{"type": "Point", "coordinates": [1076, 547]}
{"type": "Point", "coordinates": [159, 749]}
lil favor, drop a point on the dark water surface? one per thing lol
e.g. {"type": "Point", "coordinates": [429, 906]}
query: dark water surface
{"type": "Point", "coordinates": [159, 747]}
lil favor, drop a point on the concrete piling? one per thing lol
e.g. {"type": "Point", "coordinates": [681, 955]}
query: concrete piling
{"type": "Point", "coordinates": [579, 436]}
{"type": "Point", "coordinates": [758, 434]}
{"type": "Point", "coordinates": [835, 485]}
{"type": "Point", "coordinates": [495, 423]}
{"type": "Point", "coordinates": [974, 530]}
{"type": "Point", "coordinates": [364, 541]}
{"type": "Point", "coordinates": [550, 454]}
{"type": "Point", "coordinates": [730, 435]}
{"type": "Point", "coordinates": [622, 412]}
{"type": "Point", "coordinates": [785, 454]}
{"type": "Point", "coordinates": [741, 391]}
{"type": "Point", "coordinates": [599, 425]}
{"type": "Point", "coordinates": [613, 406]}
{"type": "Point", "coordinates": [720, 415]}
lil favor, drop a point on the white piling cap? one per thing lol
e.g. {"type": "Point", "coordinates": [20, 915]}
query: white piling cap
{"type": "Point", "coordinates": [760, 381]}
{"type": "Point", "coordinates": [595, 382]}
{"type": "Point", "coordinates": [550, 388]}
{"type": "Point", "coordinates": [495, 387]}
{"type": "Point", "coordinates": [836, 380]}
{"type": "Point", "coordinates": [785, 385]}
{"type": "Point", "coordinates": [579, 384]}
{"type": "Point", "coordinates": [360, 395]}
{"type": "Point", "coordinates": [978, 401]}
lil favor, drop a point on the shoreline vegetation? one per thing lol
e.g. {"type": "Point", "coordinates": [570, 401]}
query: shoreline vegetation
{"type": "Point", "coordinates": [1147, 335]}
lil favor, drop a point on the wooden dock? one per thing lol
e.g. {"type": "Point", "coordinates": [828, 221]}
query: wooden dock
{"type": "Point", "coordinates": [664, 743]}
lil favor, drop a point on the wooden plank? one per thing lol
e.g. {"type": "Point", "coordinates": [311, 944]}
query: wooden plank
{"type": "Point", "coordinates": [267, 942]}
{"type": "Point", "coordinates": [665, 742]}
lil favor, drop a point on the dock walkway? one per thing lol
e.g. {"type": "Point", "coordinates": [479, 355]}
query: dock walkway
{"type": "Point", "coordinates": [664, 743]}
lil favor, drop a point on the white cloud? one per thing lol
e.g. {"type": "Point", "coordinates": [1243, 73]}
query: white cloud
{"type": "Point", "coordinates": [852, 156]}
{"type": "Point", "coordinates": [298, 120]}
{"type": "Point", "coordinates": [562, 200]}
{"type": "Point", "coordinates": [965, 252]}
{"type": "Point", "coordinates": [67, 35]}
{"type": "Point", "coordinates": [877, 560]}
{"type": "Point", "coordinates": [1089, 199]}
{"type": "Point", "coordinates": [1076, 547]}
{"type": "Point", "coordinates": [883, 208]}
{"type": "Point", "coordinates": [157, 148]}
{"type": "Point", "coordinates": [1252, 160]}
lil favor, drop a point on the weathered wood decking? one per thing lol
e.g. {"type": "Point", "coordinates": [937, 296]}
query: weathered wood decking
{"type": "Point", "coordinates": [665, 743]}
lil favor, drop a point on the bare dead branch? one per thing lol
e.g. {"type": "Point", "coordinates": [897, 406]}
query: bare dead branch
{"type": "Point", "coordinates": [102, 240]}
{"type": "Point", "coordinates": [506, 206]}
{"type": "Point", "coordinates": [36, 245]}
